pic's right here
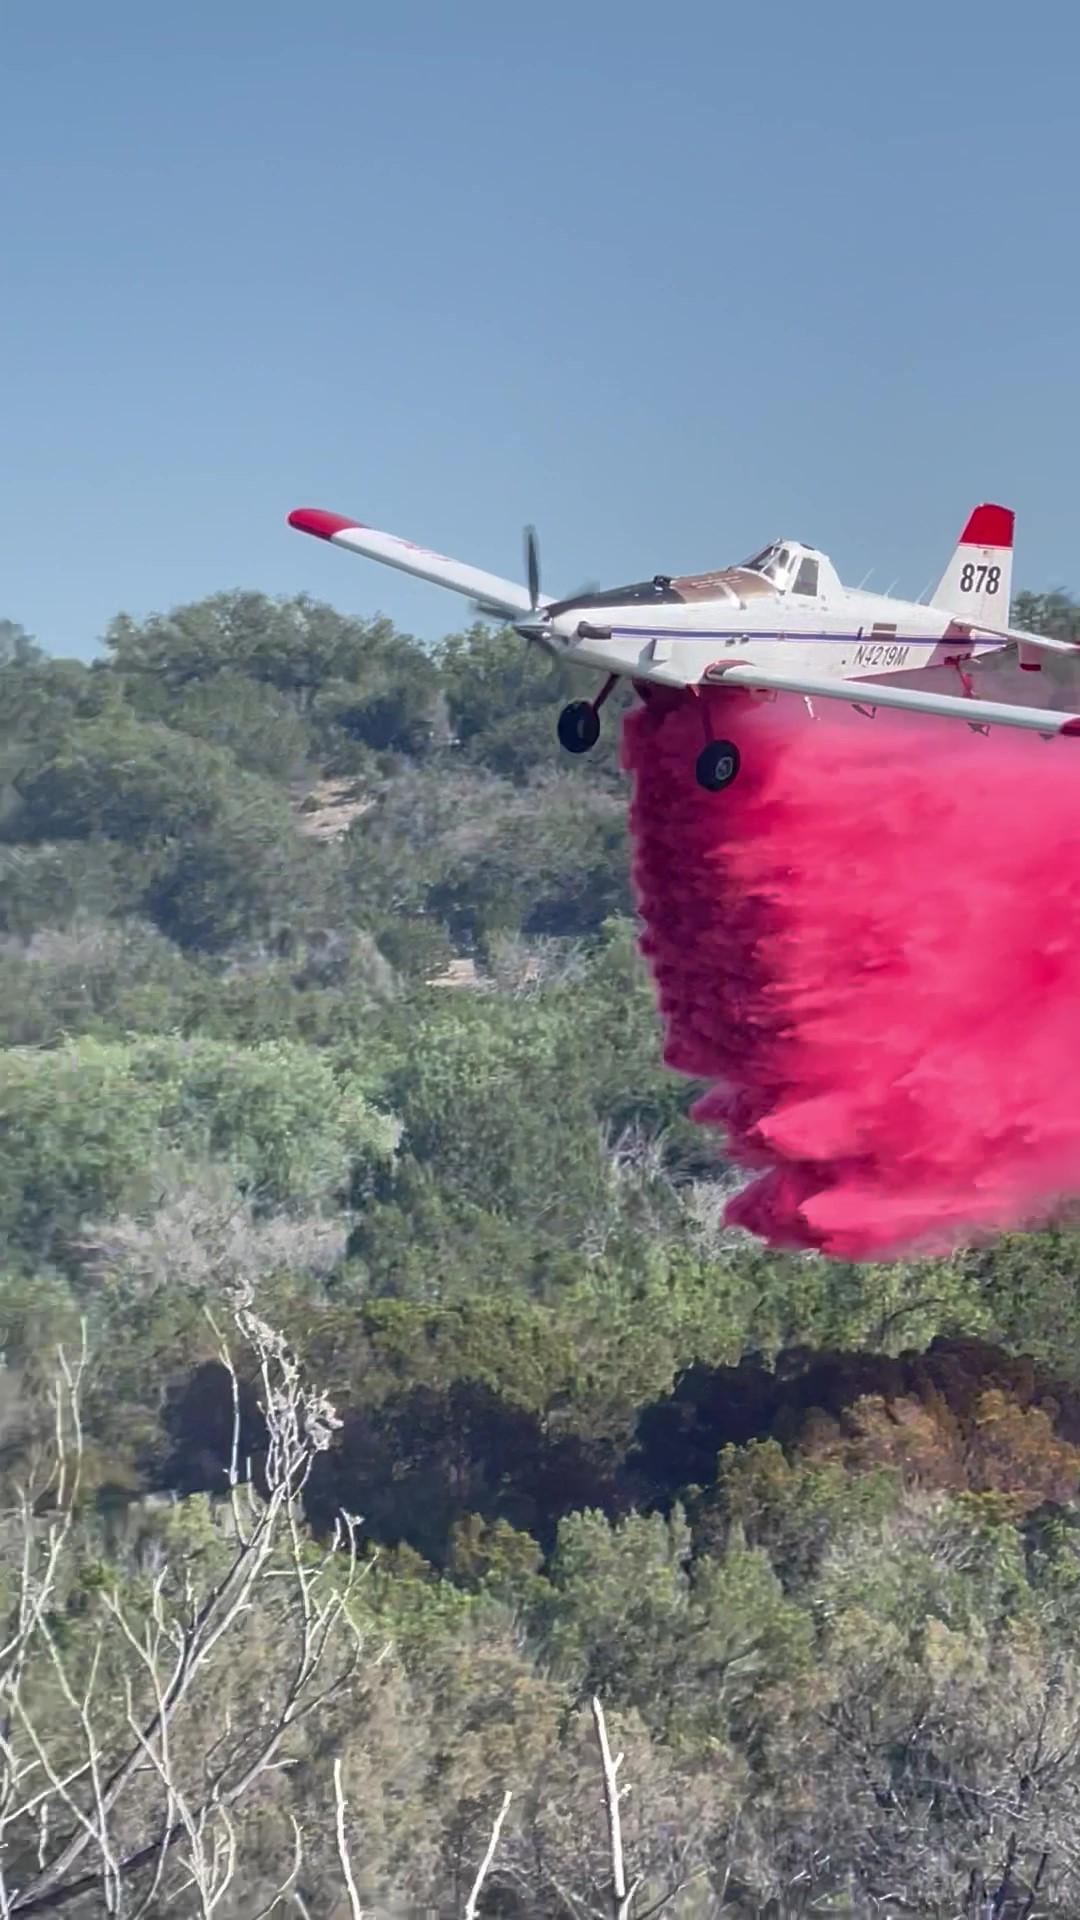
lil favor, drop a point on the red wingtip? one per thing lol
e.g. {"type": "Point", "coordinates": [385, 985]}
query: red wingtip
{"type": "Point", "coordinates": [1071, 727]}
{"type": "Point", "coordinates": [989, 526]}
{"type": "Point", "coordinates": [322, 525]}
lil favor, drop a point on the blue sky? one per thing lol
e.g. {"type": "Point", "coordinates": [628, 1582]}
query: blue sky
{"type": "Point", "coordinates": [666, 279]}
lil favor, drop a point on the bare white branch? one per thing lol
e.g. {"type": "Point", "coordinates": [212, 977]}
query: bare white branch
{"type": "Point", "coordinates": [355, 1908]}
{"type": "Point", "coordinates": [136, 1772]}
{"type": "Point", "coordinates": [485, 1864]}
{"type": "Point", "coordinates": [622, 1896]}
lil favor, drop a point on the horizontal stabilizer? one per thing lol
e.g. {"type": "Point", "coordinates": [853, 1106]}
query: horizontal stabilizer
{"type": "Point", "coordinates": [502, 596]}
{"type": "Point", "coordinates": [1038, 642]}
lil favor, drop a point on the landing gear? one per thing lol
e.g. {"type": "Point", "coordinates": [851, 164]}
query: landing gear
{"type": "Point", "coordinates": [579, 723]}
{"type": "Point", "coordinates": [579, 726]}
{"type": "Point", "coordinates": [717, 765]}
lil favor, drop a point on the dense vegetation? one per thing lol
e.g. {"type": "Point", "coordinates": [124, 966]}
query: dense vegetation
{"type": "Point", "coordinates": [323, 1019]}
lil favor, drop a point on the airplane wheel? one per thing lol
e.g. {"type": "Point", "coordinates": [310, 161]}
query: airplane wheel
{"type": "Point", "coordinates": [579, 727]}
{"type": "Point", "coordinates": [717, 765]}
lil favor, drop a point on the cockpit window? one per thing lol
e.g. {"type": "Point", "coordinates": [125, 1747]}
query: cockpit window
{"type": "Point", "coordinates": [772, 561]}
{"type": "Point", "coordinates": [806, 580]}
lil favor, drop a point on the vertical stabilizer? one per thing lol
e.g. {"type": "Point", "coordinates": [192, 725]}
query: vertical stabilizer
{"type": "Point", "coordinates": [977, 583]}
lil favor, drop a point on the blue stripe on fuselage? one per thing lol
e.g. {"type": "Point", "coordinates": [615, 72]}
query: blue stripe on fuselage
{"type": "Point", "coordinates": [865, 637]}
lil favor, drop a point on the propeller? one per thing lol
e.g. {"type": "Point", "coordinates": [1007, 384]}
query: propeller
{"type": "Point", "coordinates": [532, 567]}
{"type": "Point", "coordinates": [532, 629]}
{"type": "Point", "coordinates": [532, 575]}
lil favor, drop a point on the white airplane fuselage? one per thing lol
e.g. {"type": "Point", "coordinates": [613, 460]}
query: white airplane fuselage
{"type": "Point", "coordinates": [855, 636]}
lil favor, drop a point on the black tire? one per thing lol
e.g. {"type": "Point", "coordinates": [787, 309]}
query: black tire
{"type": "Point", "coordinates": [579, 727]}
{"type": "Point", "coordinates": [717, 765]}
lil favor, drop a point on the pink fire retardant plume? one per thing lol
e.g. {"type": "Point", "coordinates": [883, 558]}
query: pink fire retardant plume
{"type": "Point", "coordinates": [869, 946]}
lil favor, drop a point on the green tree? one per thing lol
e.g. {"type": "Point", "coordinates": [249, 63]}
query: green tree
{"type": "Point", "coordinates": [257, 723]}
{"type": "Point", "coordinates": [86, 1126]}
{"type": "Point", "coordinates": [91, 976]}
{"type": "Point", "coordinates": [17, 649]}
{"type": "Point", "coordinates": [294, 1131]}
{"type": "Point", "coordinates": [296, 645]}
{"type": "Point", "coordinates": [503, 699]}
{"type": "Point", "coordinates": [495, 1105]}
{"type": "Point", "coordinates": [356, 677]}
{"type": "Point", "coordinates": [1055, 613]}
{"type": "Point", "coordinates": [77, 1135]}
{"type": "Point", "coordinates": [53, 885]}
{"type": "Point", "coordinates": [130, 780]}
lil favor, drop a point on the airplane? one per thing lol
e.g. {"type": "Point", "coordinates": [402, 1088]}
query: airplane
{"type": "Point", "coordinates": [779, 623]}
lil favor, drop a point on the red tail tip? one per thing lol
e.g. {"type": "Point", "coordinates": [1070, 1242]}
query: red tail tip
{"type": "Point", "coordinates": [989, 526]}
{"type": "Point", "coordinates": [322, 525]}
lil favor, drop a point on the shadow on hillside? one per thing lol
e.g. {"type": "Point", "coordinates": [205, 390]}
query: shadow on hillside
{"type": "Point", "coordinates": [963, 1416]}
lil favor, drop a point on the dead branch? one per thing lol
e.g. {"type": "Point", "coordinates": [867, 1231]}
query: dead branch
{"type": "Point", "coordinates": [485, 1864]}
{"type": "Point", "coordinates": [343, 1847]}
{"type": "Point", "coordinates": [622, 1896]}
{"type": "Point", "coordinates": [168, 1648]}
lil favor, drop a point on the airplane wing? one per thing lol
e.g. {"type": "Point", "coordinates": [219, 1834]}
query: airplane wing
{"type": "Point", "coordinates": [871, 693]}
{"type": "Point", "coordinates": [502, 596]}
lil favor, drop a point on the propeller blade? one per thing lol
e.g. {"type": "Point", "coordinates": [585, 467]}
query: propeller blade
{"type": "Point", "coordinates": [532, 566]}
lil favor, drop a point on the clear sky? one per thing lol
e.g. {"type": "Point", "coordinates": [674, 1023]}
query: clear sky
{"type": "Point", "coordinates": [667, 277]}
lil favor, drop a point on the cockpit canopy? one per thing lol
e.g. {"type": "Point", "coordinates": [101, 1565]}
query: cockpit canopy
{"type": "Point", "coordinates": [789, 566]}
{"type": "Point", "coordinates": [785, 566]}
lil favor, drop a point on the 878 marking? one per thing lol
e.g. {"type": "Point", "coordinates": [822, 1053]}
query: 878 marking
{"type": "Point", "coordinates": [975, 579]}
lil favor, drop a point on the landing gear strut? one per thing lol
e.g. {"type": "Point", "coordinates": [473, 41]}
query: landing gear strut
{"type": "Point", "coordinates": [579, 723]}
{"type": "Point", "coordinates": [718, 763]}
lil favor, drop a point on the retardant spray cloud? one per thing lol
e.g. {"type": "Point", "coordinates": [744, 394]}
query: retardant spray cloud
{"type": "Point", "coordinates": [869, 947]}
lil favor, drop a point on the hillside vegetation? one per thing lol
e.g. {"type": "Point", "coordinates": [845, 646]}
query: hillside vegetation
{"type": "Point", "coordinates": [340, 1175]}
